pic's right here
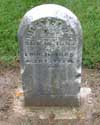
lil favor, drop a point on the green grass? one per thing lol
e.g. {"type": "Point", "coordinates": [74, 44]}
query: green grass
{"type": "Point", "coordinates": [88, 12]}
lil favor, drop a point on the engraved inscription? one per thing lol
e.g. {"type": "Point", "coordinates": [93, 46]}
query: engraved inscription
{"type": "Point", "coordinates": [49, 41]}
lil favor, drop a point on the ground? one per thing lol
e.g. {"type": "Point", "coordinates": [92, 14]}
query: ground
{"type": "Point", "coordinates": [10, 78]}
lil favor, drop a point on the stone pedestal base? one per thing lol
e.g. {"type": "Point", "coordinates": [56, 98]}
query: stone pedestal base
{"type": "Point", "coordinates": [57, 115]}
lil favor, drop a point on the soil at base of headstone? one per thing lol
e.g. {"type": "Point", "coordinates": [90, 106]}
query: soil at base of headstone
{"type": "Point", "coordinates": [10, 78]}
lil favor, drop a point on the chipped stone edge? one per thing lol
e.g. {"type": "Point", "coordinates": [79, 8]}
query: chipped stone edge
{"type": "Point", "coordinates": [85, 96]}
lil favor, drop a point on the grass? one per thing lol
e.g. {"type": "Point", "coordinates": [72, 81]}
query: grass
{"type": "Point", "coordinates": [88, 12]}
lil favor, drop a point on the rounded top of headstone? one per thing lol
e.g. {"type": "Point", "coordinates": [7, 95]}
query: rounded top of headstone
{"type": "Point", "coordinates": [52, 11]}
{"type": "Point", "coordinates": [49, 10]}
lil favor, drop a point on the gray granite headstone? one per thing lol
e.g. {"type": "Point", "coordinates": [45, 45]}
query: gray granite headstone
{"type": "Point", "coordinates": [50, 40]}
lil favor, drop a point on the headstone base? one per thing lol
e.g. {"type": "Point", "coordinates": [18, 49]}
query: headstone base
{"type": "Point", "coordinates": [81, 115]}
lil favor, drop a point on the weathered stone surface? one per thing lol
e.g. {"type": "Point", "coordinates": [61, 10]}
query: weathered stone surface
{"type": "Point", "coordinates": [50, 39]}
{"type": "Point", "coordinates": [56, 115]}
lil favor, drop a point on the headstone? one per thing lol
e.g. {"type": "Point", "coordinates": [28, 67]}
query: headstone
{"type": "Point", "coordinates": [50, 40]}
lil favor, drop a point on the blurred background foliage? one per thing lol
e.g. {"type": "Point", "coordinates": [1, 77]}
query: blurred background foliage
{"type": "Point", "coordinates": [88, 12]}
